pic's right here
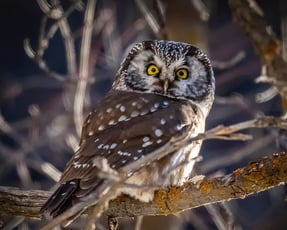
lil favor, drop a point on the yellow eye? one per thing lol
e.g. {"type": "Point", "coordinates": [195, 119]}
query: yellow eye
{"type": "Point", "coordinates": [181, 73]}
{"type": "Point", "coordinates": [152, 70]}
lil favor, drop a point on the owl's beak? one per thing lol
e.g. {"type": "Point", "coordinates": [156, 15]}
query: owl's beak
{"type": "Point", "coordinates": [165, 86]}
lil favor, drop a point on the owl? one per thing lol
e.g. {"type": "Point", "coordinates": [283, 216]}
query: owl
{"type": "Point", "coordinates": [162, 92]}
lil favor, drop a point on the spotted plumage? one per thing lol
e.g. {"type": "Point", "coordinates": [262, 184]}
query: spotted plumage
{"type": "Point", "coordinates": [162, 92]}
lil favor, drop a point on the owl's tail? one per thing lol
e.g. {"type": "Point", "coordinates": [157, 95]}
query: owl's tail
{"type": "Point", "coordinates": [62, 199]}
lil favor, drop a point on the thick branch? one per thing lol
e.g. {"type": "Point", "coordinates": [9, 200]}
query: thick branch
{"type": "Point", "coordinates": [257, 176]}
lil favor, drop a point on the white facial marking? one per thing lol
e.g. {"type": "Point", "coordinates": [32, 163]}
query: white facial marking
{"type": "Point", "coordinates": [109, 110]}
{"type": "Point", "coordinates": [100, 146]}
{"type": "Point", "coordinates": [139, 150]}
{"type": "Point", "coordinates": [159, 141]}
{"type": "Point", "coordinates": [106, 147]}
{"type": "Point", "coordinates": [134, 103]}
{"type": "Point", "coordinates": [101, 127]}
{"type": "Point", "coordinates": [124, 161]}
{"type": "Point", "coordinates": [118, 106]}
{"type": "Point", "coordinates": [125, 141]}
{"type": "Point", "coordinates": [158, 132]}
{"type": "Point", "coordinates": [135, 158]}
{"type": "Point", "coordinates": [97, 139]}
{"type": "Point", "coordinates": [91, 133]}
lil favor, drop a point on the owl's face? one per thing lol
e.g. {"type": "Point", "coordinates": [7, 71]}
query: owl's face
{"type": "Point", "coordinates": [173, 69]}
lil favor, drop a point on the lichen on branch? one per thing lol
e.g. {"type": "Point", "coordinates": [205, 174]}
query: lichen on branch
{"type": "Point", "coordinates": [257, 176]}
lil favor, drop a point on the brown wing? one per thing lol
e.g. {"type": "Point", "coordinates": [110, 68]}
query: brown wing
{"type": "Point", "coordinates": [124, 127]}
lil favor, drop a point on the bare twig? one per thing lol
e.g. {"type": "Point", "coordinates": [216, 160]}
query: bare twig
{"type": "Point", "coordinates": [265, 42]}
{"type": "Point", "coordinates": [84, 74]}
{"type": "Point", "coordinates": [150, 19]}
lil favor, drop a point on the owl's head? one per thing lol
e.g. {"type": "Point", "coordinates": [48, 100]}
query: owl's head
{"type": "Point", "coordinates": [172, 69]}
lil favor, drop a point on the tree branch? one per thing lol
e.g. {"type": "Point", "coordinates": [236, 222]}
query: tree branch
{"type": "Point", "coordinates": [257, 176]}
{"type": "Point", "coordinates": [269, 48]}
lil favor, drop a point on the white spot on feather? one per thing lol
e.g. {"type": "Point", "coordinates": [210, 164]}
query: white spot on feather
{"type": "Point", "coordinates": [144, 112]}
{"type": "Point", "coordinates": [122, 118]}
{"type": "Point", "coordinates": [135, 113]}
{"type": "Point", "coordinates": [146, 144]}
{"type": "Point", "coordinates": [122, 108]}
{"type": "Point", "coordinates": [162, 121]}
{"type": "Point", "coordinates": [145, 139]}
{"type": "Point", "coordinates": [112, 122]}
{"type": "Point", "coordinates": [158, 132]}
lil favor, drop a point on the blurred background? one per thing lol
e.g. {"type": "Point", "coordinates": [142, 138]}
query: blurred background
{"type": "Point", "coordinates": [38, 84]}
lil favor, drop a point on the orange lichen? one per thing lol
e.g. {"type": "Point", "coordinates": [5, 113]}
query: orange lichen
{"type": "Point", "coordinates": [160, 198]}
{"type": "Point", "coordinates": [174, 193]}
{"type": "Point", "coordinates": [206, 187]}
{"type": "Point", "coordinates": [271, 50]}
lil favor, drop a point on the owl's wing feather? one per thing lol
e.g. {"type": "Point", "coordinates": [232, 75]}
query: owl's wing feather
{"type": "Point", "coordinates": [122, 133]}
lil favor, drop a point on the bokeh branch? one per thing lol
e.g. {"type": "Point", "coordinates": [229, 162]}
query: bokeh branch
{"type": "Point", "coordinates": [269, 48]}
{"type": "Point", "coordinates": [257, 176]}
